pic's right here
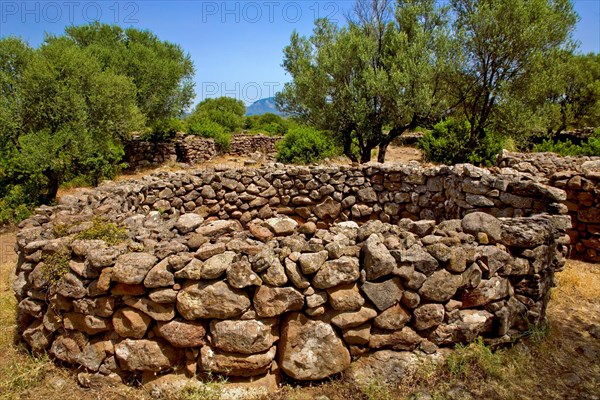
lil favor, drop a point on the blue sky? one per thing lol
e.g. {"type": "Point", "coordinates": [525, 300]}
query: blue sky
{"type": "Point", "coordinates": [236, 46]}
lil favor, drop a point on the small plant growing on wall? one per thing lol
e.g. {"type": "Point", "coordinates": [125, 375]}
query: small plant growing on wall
{"type": "Point", "coordinates": [56, 266]}
{"type": "Point", "coordinates": [105, 230]}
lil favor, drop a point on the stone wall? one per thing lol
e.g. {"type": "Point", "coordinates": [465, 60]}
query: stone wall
{"type": "Point", "coordinates": [245, 145]}
{"type": "Point", "coordinates": [208, 297]}
{"type": "Point", "coordinates": [192, 149]}
{"type": "Point", "coordinates": [580, 178]}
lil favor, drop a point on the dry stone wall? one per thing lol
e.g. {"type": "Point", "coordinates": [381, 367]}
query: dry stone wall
{"type": "Point", "coordinates": [580, 178]}
{"type": "Point", "coordinates": [245, 145]}
{"type": "Point", "coordinates": [192, 149]}
{"type": "Point", "coordinates": [211, 297]}
{"type": "Point", "coordinates": [254, 272]}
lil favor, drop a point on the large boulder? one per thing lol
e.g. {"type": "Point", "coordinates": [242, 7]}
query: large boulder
{"type": "Point", "coordinates": [310, 350]}
{"type": "Point", "coordinates": [211, 300]}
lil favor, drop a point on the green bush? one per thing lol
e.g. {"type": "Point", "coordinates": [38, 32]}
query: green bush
{"type": "Point", "coordinates": [14, 206]}
{"type": "Point", "coordinates": [591, 147]}
{"type": "Point", "coordinates": [165, 129]}
{"type": "Point", "coordinates": [210, 129]}
{"type": "Point", "coordinates": [448, 143]}
{"type": "Point", "coordinates": [268, 123]}
{"type": "Point", "coordinates": [304, 145]}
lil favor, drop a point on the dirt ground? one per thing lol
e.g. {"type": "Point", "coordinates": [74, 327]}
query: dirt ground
{"type": "Point", "coordinates": [561, 362]}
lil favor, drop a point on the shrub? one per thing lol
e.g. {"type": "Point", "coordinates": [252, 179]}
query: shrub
{"type": "Point", "coordinates": [103, 230]}
{"type": "Point", "coordinates": [448, 143]}
{"type": "Point", "coordinates": [591, 147]}
{"type": "Point", "coordinates": [210, 129]}
{"type": "Point", "coordinates": [14, 206]}
{"type": "Point", "coordinates": [304, 145]}
{"type": "Point", "coordinates": [56, 266]}
{"type": "Point", "coordinates": [165, 129]}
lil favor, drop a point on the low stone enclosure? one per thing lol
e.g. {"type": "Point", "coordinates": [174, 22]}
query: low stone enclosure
{"type": "Point", "coordinates": [192, 149]}
{"type": "Point", "coordinates": [580, 178]}
{"type": "Point", "coordinates": [254, 273]}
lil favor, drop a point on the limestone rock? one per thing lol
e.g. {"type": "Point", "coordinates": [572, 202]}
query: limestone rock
{"type": "Point", "coordinates": [211, 300]}
{"type": "Point", "coordinates": [272, 301]}
{"type": "Point", "coordinates": [159, 276]}
{"type": "Point", "coordinates": [182, 333]}
{"type": "Point", "coordinates": [428, 315]}
{"type": "Point", "coordinates": [132, 268]}
{"type": "Point", "coordinates": [476, 222]}
{"type": "Point", "coordinates": [440, 286]}
{"type": "Point", "coordinates": [282, 226]}
{"type": "Point", "coordinates": [335, 272]}
{"type": "Point", "coordinates": [312, 262]}
{"type": "Point", "coordinates": [469, 325]}
{"type": "Point", "coordinates": [378, 261]}
{"type": "Point", "coordinates": [393, 318]}
{"type": "Point", "coordinates": [495, 288]}
{"type": "Point", "coordinates": [188, 222]}
{"type": "Point", "coordinates": [235, 364]}
{"type": "Point", "coordinates": [147, 355]}
{"type": "Point", "coordinates": [350, 319]}
{"type": "Point", "coordinates": [383, 294]}
{"type": "Point", "coordinates": [358, 335]}
{"type": "Point", "coordinates": [310, 350]}
{"type": "Point", "coordinates": [404, 339]}
{"type": "Point", "coordinates": [246, 337]}
{"type": "Point", "coordinates": [131, 323]}
{"type": "Point", "coordinates": [215, 266]}
{"type": "Point", "coordinates": [240, 275]}
{"type": "Point", "coordinates": [387, 366]}
{"type": "Point", "coordinates": [159, 312]}
{"type": "Point", "coordinates": [345, 297]}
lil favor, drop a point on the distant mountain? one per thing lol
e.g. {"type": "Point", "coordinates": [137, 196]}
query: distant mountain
{"type": "Point", "coordinates": [263, 106]}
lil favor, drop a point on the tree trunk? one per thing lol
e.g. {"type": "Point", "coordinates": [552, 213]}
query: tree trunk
{"type": "Point", "coordinates": [382, 151]}
{"type": "Point", "coordinates": [365, 154]}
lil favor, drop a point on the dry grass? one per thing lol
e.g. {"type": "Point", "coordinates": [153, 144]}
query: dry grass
{"type": "Point", "coordinates": [558, 363]}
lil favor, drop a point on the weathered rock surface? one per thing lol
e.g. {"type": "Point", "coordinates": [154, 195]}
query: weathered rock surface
{"type": "Point", "coordinates": [310, 350]}
{"type": "Point", "coordinates": [211, 300]}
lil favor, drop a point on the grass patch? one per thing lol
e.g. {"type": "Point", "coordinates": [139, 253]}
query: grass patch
{"type": "Point", "coordinates": [101, 229]}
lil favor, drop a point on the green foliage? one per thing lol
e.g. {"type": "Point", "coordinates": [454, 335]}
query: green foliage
{"type": "Point", "coordinates": [56, 265]}
{"type": "Point", "coordinates": [67, 106]}
{"type": "Point", "coordinates": [165, 129]}
{"type": "Point", "coordinates": [501, 63]}
{"type": "Point", "coordinates": [161, 72]}
{"type": "Point", "coordinates": [591, 147]}
{"type": "Point", "coordinates": [210, 129]}
{"type": "Point", "coordinates": [304, 145]}
{"type": "Point", "coordinates": [101, 229]}
{"type": "Point", "coordinates": [268, 123]}
{"type": "Point", "coordinates": [383, 69]}
{"type": "Point", "coordinates": [448, 143]}
{"type": "Point", "coordinates": [225, 111]}
{"type": "Point", "coordinates": [14, 206]}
